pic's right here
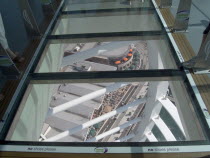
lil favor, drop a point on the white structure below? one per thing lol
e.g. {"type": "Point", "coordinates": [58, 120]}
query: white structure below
{"type": "Point", "coordinates": [172, 110]}
{"type": "Point", "coordinates": [157, 91]}
{"type": "Point", "coordinates": [85, 98]}
{"type": "Point", "coordinates": [96, 120]}
{"type": "Point", "coordinates": [150, 136]}
{"type": "Point", "coordinates": [164, 129]}
{"type": "Point", "coordinates": [125, 138]}
{"type": "Point", "coordinates": [114, 130]}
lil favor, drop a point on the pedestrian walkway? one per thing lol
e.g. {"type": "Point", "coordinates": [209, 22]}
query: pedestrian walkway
{"type": "Point", "coordinates": [202, 81]}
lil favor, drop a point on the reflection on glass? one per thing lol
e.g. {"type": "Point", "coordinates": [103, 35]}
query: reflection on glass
{"type": "Point", "coordinates": [127, 21]}
{"type": "Point", "coordinates": [106, 112]}
{"type": "Point", "coordinates": [107, 56]}
{"type": "Point", "coordinates": [93, 5]}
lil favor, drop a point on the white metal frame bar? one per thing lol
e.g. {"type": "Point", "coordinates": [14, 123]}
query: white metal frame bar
{"type": "Point", "coordinates": [151, 137]}
{"type": "Point", "coordinates": [172, 110]}
{"type": "Point", "coordinates": [94, 121]}
{"type": "Point", "coordinates": [114, 130]}
{"type": "Point", "coordinates": [75, 102]}
{"type": "Point", "coordinates": [164, 128]}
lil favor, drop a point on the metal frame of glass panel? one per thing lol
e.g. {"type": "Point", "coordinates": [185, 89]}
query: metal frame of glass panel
{"type": "Point", "coordinates": [58, 77]}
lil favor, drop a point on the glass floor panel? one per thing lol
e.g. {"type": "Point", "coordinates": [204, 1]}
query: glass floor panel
{"type": "Point", "coordinates": [77, 87]}
{"type": "Point", "coordinates": [107, 112]}
{"type": "Point", "coordinates": [82, 5]}
{"type": "Point", "coordinates": [101, 54]}
{"type": "Point", "coordinates": [127, 21]}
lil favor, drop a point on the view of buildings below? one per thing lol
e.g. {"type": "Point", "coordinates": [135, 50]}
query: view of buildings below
{"type": "Point", "coordinates": [91, 105]}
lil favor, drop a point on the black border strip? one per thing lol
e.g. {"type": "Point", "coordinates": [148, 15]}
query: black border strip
{"type": "Point", "coordinates": [108, 10]}
{"type": "Point", "coordinates": [109, 34]}
{"type": "Point", "coordinates": [159, 74]}
{"type": "Point", "coordinates": [107, 144]}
